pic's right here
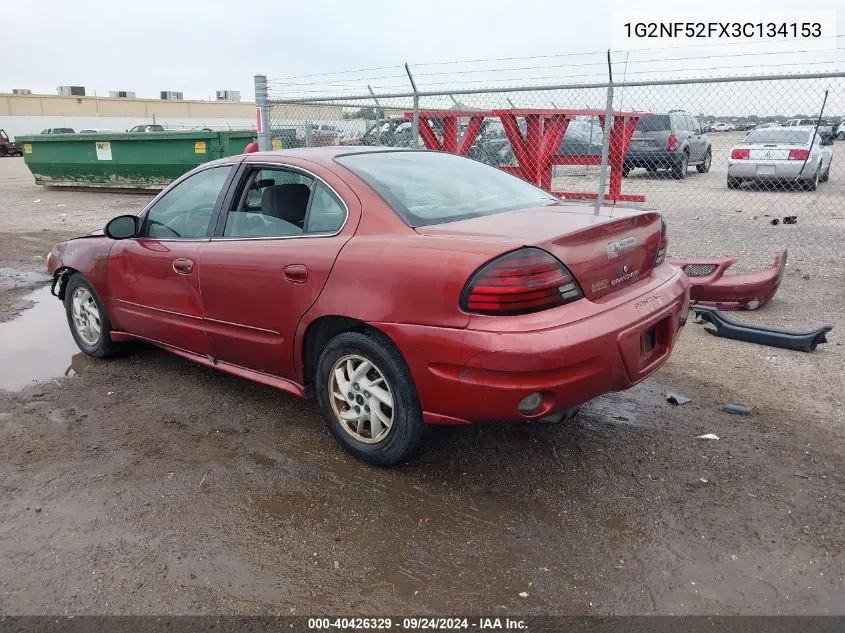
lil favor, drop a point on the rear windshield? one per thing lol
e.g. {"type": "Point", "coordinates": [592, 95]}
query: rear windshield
{"type": "Point", "coordinates": [427, 188]}
{"type": "Point", "coordinates": [654, 123]}
{"type": "Point", "coordinates": [789, 136]}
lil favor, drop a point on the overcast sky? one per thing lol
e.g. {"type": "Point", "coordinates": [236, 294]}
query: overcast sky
{"type": "Point", "coordinates": [201, 46]}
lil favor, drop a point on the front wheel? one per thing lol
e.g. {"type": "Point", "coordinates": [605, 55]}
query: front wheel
{"type": "Point", "coordinates": [367, 396]}
{"type": "Point", "coordinates": [87, 318]}
{"type": "Point", "coordinates": [704, 167]}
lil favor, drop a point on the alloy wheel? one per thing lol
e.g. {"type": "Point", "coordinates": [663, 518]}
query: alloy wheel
{"type": "Point", "coordinates": [86, 316]}
{"type": "Point", "coordinates": [361, 398]}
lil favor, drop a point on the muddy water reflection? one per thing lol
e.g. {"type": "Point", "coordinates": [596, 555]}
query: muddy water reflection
{"type": "Point", "coordinates": [37, 345]}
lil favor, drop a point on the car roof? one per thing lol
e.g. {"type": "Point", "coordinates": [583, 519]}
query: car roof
{"type": "Point", "coordinates": [324, 154]}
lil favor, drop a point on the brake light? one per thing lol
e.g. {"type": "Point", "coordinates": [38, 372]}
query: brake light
{"type": "Point", "coordinates": [798, 154]}
{"type": "Point", "coordinates": [663, 245]}
{"type": "Point", "coordinates": [524, 281]}
{"type": "Point", "coordinates": [672, 145]}
{"type": "Point", "coordinates": [740, 154]}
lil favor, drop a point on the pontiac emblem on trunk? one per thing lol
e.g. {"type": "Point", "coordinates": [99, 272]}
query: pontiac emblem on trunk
{"type": "Point", "coordinates": [615, 249]}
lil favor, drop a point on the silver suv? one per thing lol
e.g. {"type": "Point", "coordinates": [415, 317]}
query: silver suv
{"type": "Point", "coordinates": [669, 141]}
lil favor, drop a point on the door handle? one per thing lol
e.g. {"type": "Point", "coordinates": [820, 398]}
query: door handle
{"type": "Point", "coordinates": [183, 266]}
{"type": "Point", "coordinates": [296, 273]}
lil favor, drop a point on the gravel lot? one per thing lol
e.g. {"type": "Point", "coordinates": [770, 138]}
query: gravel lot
{"type": "Point", "coordinates": [151, 485]}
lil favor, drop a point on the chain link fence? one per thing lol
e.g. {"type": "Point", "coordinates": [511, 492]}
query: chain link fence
{"type": "Point", "coordinates": [738, 165]}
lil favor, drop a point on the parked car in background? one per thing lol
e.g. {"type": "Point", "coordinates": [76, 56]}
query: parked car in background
{"type": "Point", "coordinates": [723, 127]}
{"type": "Point", "coordinates": [98, 130]}
{"type": "Point", "coordinates": [790, 154]}
{"type": "Point", "coordinates": [399, 287]}
{"type": "Point", "coordinates": [764, 126]}
{"type": "Point", "coordinates": [146, 128]}
{"type": "Point", "coordinates": [583, 137]}
{"type": "Point", "coordinates": [9, 147]}
{"type": "Point", "coordinates": [58, 130]}
{"type": "Point", "coordinates": [669, 141]}
{"type": "Point", "coordinates": [825, 127]}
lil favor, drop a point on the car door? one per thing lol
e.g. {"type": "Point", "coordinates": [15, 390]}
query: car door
{"type": "Point", "coordinates": [682, 131]}
{"type": "Point", "coordinates": [695, 140]}
{"type": "Point", "coordinates": [154, 277]}
{"type": "Point", "coordinates": [271, 256]}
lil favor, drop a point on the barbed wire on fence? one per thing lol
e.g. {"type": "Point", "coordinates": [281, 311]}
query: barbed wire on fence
{"type": "Point", "coordinates": [681, 143]}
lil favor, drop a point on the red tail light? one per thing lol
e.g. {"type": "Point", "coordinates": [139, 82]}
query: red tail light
{"type": "Point", "coordinates": [672, 145]}
{"type": "Point", "coordinates": [740, 154]}
{"type": "Point", "coordinates": [663, 245]}
{"type": "Point", "coordinates": [798, 154]}
{"type": "Point", "coordinates": [524, 281]}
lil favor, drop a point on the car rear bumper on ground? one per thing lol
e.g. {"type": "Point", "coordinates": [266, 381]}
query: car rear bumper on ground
{"type": "Point", "coordinates": [473, 375]}
{"type": "Point", "coordinates": [772, 170]}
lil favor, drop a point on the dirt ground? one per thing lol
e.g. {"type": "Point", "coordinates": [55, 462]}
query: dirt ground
{"type": "Point", "coordinates": [152, 485]}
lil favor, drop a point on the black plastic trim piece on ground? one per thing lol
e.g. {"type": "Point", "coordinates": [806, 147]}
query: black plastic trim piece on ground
{"type": "Point", "coordinates": [727, 328]}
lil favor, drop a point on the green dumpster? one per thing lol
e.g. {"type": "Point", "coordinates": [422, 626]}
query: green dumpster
{"type": "Point", "coordinates": [125, 161]}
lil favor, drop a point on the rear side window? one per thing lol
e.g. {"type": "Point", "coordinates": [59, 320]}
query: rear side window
{"type": "Point", "coordinates": [326, 213]}
{"type": "Point", "coordinates": [654, 123]}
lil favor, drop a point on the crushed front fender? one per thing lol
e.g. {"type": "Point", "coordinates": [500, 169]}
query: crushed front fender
{"type": "Point", "coordinates": [745, 291]}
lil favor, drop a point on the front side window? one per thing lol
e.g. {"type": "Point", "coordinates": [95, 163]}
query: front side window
{"type": "Point", "coordinates": [426, 188]}
{"type": "Point", "coordinates": [273, 203]}
{"type": "Point", "coordinates": [185, 211]}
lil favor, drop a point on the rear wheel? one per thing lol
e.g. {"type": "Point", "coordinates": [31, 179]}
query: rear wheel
{"type": "Point", "coordinates": [813, 183]}
{"type": "Point", "coordinates": [734, 183]}
{"type": "Point", "coordinates": [825, 174]}
{"type": "Point", "coordinates": [87, 318]}
{"type": "Point", "coordinates": [367, 397]}
{"type": "Point", "coordinates": [704, 167]}
{"type": "Point", "coordinates": [680, 169]}
{"type": "Point", "coordinates": [626, 169]}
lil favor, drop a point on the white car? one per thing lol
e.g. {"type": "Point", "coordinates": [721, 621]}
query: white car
{"type": "Point", "coordinates": [722, 127]}
{"type": "Point", "coordinates": [792, 154]}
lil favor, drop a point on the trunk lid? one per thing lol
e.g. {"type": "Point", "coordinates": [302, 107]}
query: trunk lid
{"type": "Point", "coordinates": [604, 252]}
{"type": "Point", "coordinates": [771, 151]}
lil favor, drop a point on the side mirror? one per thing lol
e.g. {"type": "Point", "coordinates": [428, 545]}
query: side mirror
{"type": "Point", "coordinates": [122, 227]}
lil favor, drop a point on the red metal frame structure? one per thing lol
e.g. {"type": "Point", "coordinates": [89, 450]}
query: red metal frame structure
{"type": "Point", "coordinates": [452, 142]}
{"type": "Point", "coordinates": [536, 153]}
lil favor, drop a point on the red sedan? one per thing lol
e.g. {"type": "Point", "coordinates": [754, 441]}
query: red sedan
{"type": "Point", "coordinates": [400, 287]}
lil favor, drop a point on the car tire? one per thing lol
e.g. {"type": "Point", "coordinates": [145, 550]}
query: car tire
{"type": "Point", "coordinates": [88, 320]}
{"type": "Point", "coordinates": [825, 174]}
{"type": "Point", "coordinates": [813, 183]}
{"type": "Point", "coordinates": [841, 136]}
{"type": "Point", "coordinates": [704, 167]}
{"type": "Point", "coordinates": [625, 171]}
{"type": "Point", "coordinates": [734, 183]}
{"type": "Point", "coordinates": [680, 168]}
{"type": "Point", "coordinates": [337, 371]}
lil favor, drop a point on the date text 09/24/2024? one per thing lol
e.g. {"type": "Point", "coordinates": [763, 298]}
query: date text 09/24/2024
{"type": "Point", "coordinates": [417, 624]}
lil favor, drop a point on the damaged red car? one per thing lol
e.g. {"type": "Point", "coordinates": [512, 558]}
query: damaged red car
{"type": "Point", "coordinates": [400, 287]}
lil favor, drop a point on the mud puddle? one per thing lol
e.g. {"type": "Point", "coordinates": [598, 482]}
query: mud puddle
{"type": "Point", "coordinates": [37, 344]}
